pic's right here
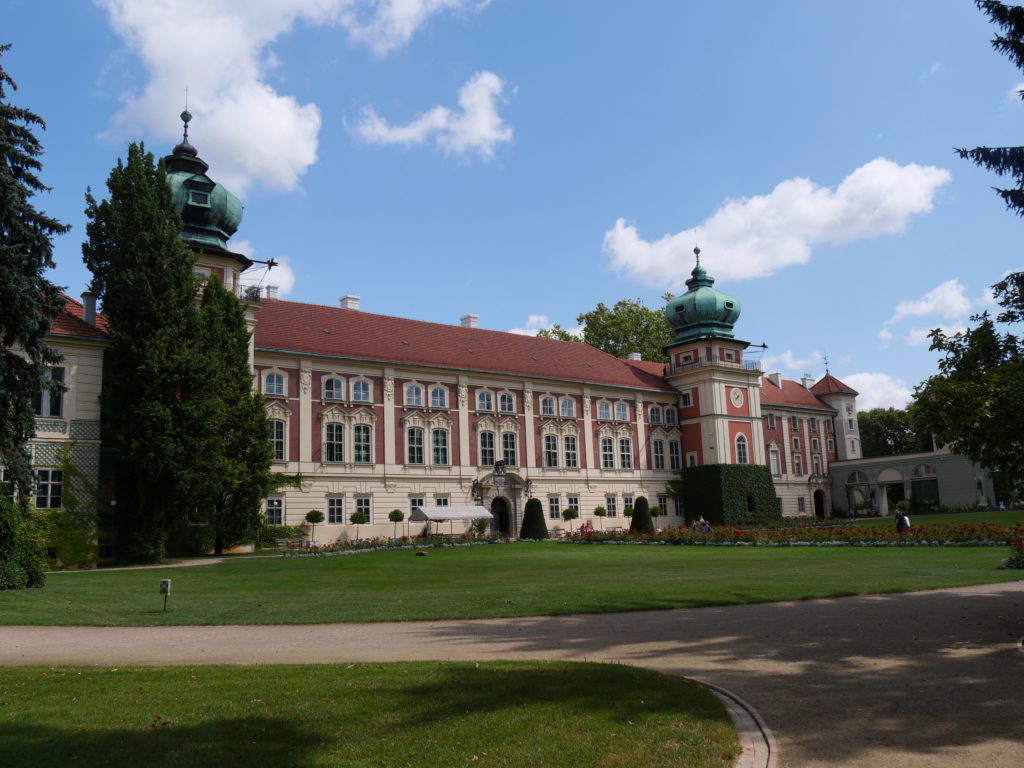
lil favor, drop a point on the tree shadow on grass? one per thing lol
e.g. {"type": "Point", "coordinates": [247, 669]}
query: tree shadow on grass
{"type": "Point", "coordinates": [835, 679]}
{"type": "Point", "coordinates": [249, 742]}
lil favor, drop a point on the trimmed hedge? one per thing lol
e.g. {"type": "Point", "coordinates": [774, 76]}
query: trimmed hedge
{"type": "Point", "coordinates": [737, 494]}
{"type": "Point", "coordinates": [534, 526]}
{"type": "Point", "coordinates": [641, 522]}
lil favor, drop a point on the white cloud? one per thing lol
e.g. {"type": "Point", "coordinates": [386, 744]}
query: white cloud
{"type": "Point", "coordinates": [219, 51]}
{"type": "Point", "coordinates": [281, 275]}
{"type": "Point", "coordinates": [388, 24]}
{"type": "Point", "coordinates": [542, 322]}
{"type": "Point", "coordinates": [934, 69]}
{"type": "Point", "coordinates": [787, 361]}
{"type": "Point", "coordinates": [945, 300]}
{"type": "Point", "coordinates": [757, 236]}
{"type": "Point", "coordinates": [878, 390]}
{"type": "Point", "coordinates": [476, 128]}
{"type": "Point", "coordinates": [886, 336]}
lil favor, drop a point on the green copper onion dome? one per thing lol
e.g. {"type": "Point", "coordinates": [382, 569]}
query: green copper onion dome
{"type": "Point", "coordinates": [702, 312]}
{"type": "Point", "coordinates": [210, 212]}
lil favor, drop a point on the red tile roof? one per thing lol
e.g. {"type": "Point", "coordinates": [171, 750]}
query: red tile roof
{"type": "Point", "coordinates": [70, 323]}
{"type": "Point", "coordinates": [829, 384]}
{"type": "Point", "coordinates": [334, 332]}
{"type": "Point", "coordinates": [791, 394]}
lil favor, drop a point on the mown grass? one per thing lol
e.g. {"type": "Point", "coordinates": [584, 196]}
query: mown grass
{"type": "Point", "coordinates": [492, 715]}
{"type": "Point", "coordinates": [1006, 517]}
{"type": "Point", "coordinates": [501, 580]}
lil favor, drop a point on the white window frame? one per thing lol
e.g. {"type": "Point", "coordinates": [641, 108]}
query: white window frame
{"type": "Point", "coordinates": [621, 411]}
{"type": "Point", "coordinates": [358, 444]}
{"type": "Point", "coordinates": [687, 398]}
{"type": "Point", "coordinates": [658, 453]}
{"type": "Point", "coordinates": [49, 488]}
{"type": "Point", "coordinates": [365, 504]}
{"type": "Point", "coordinates": [742, 454]}
{"type": "Point", "coordinates": [336, 510]}
{"type": "Point", "coordinates": [554, 508]}
{"type": "Point", "coordinates": [485, 400]}
{"type": "Point", "coordinates": [506, 402]}
{"type": "Point", "coordinates": [550, 451]}
{"type": "Point", "coordinates": [671, 415]}
{"type": "Point", "coordinates": [771, 421]}
{"type": "Point", "coordinates": [279, 442]}
{"type": "Point", "coordinates": [440, 447]}
{"type": "Point", "coordinates": [415, 501]}
{"type": "Point", "coordinates": [273, 510]}
{"type": "Point", "coordinates": [774, 461]}
{"type": "Point", "coordinates": [49, 403]}
{"type": "Point", "coordinates": [487, 454]}
{"type": "Point", "coordinates": [567, 408]}
{"type": "Point", "coordinates": [796, 443]}
{"type": "Point", "coordinates": [279, 387]}
{"type": "Point", "coordinates": [572, 502]}
{"type": "Point", "coordinates": [338, 443]}
{"type": "Point", "coordinates": [332, 388]}
{"type": "Point", "coordinates": [675, 455]}
{"type": "Point", "coordinates": [604, 410]}
{"type": "Point", "coordinates": [438, 396]}
{"type": "Point", "coordinates": [441, 501]}
{"type": "Point", "coordinates": [413, 397]}
{"type": "Point", "coordinates": [510, 451]}
{"type": "Point", "coordinates": [570, 447]}
{"type": "Point", "coordinates": [607, 453]}
{"type": "Point", "coordinates": [816, 463]}
{"type": "Point", "coordinates": [626, 453]}
{"type": "Point", "coordinates": [414, 448]}
{"type": "Point", "coordinates": [654, 414]}
{"type": "Point", "coordinates": [611, 504]}
{"type": "Point", "coordinates": [362, 390]}
{"type": "Point", "coordinates": [798, 465]}
{"type": "Point", "coordinates": [547, 405]}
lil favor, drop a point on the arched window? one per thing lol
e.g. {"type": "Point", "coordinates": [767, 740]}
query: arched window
{"type": "Point", "coordinates": [655, 414]}
{"type": "Point", "coordinates": [334, 442]}
{"type": "Point", "coordinates": [277, 438]}
{"type": "Point", "coordinates": [621, 412]}
{"type": "Point", "coordinates": [334, 388]}
{"type": "Point", "coordinates": [568, 408]}
{"type": "Point", "coordinates": [741, 449]}
{"type": "Point", "coordinates": [413, 394]}
{"type": "Point", "coordinates": [362, 444]}
{"type": "Point", "coordinates": [484, 401]}
{"type": "Point", "coordinates": [671, 417]}
{"type": "Point", "coordinates": [547, 406]}
{"type": "Point", "coordinates": [361, 391]}
{"type": "Point", "coordinates": [439, 441]}
{"type": "Point", "coordinates": [507, 402]}
{"type": "Point", "coordinates": [414, 445]}
{"type": "Point", "coordinates": [857, 478]}
{"type": "Point", "coordinates": [273, 384]}
{"type": "Point", "coordinates": [486, 449]}
{"type": "Point", "coordinates": [438, 397]}
{"type": "Point", "coordinates": [604, 410]}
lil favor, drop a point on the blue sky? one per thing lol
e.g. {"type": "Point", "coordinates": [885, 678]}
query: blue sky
{"type": "Point", "coordinates": [527, 159]}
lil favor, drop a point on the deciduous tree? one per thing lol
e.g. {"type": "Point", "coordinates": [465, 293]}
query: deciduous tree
{"type": "Point", "coordinates": [889, 432]}
{"type": "Point", "coordinates": [629, 326]}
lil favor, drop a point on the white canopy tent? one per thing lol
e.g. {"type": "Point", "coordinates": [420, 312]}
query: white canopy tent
{"type": "Point", "coordinates": [451, 514]}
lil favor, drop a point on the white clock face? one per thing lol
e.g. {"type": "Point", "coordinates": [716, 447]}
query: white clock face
{"type": "Point", "coordinates": [737, 397]}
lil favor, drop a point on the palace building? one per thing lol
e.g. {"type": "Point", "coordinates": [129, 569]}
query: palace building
{"type": "Point", "coordinates": [380, 413]}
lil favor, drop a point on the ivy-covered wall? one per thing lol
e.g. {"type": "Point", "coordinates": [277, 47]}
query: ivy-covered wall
{"type": "Point", "coordinates": [730, 493]}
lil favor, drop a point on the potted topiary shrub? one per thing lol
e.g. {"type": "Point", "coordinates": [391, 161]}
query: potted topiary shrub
{"type": "Point", "coordinates": [358, 518]}
{"type": "Point", "coordinates": [396, 516]}
{"type": "Point", "coordinates": [534, 526]}
{"type": "Point", "coordinates": [655, 514]}
{"type": "Point", "coordinates": [641, 521]}
{"type": "Point", "coordinates": [600, 513]}
{"type": "Point", "coordinates": [569, 514]}
{"type": "Point", "coordinates": [313, 517]}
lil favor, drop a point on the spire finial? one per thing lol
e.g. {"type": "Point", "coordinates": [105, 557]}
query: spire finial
{"type": "Point", "coordinates": [186, 116]}
{"type": "Point", "coordinates": [826, 365]}
{"type": "Point", "coordinates": [696, 252]}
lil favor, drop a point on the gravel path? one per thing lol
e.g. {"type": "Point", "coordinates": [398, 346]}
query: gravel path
{"type": "Point", "coordinates": [897, 681]}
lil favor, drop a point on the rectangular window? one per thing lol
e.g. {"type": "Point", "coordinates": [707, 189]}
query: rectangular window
{"type": "Point", "coordinates": [800, 506]}
{"type": "Point", "coordinates": [621, 412]}
{"type": "Point", "coordinates": [850, 422]}
{"type": "Point", "coordinates": [607, 453]}
{"type": "Point", "coordinates": [568, 408]}
{"type": "Point", "coordinates": [334, 443]}
{"type": "Point", "coordinates": [604, 411]}
{"type": "Point", "coordinates": [506, 403]}
{"type": "Point", "coordinates": [414, 446]}
{"type": "Point", "coordinates": [572, 502]}
{"type": "Point", "coordinates": [794, 422]}
{"type": "Point", "coordinates": [363, 506]}
{"type": "Point", "coordinates": [796, 443]}
{"type": "Point", "coordinates": [334, 389]}
{"type": "Point", "coordinates": [663, 503]}
{"type": "Point", "coordinates": [814, 425]}
{"type": "Point", "coordinates": [627, 503]}
{"type": "Point", "coordinates": [335, 510]}
{"type": "Point", "coordinates": [773, 457]}
{"type": "Point", "coordinates": [277, 439]}
{"type": "Point", "coordinates": [415, 501]}
{"type": "Point", "coordinates": [486, 449]}
{"type": "Point", "coordinates": [361, 444]}
{"type": "Point", "coordinates": [814, 443]}
{"type": "Point", "coordinates": [49, 488]}
{"type": "Point", "coordinates": [6, 485]}
{"type": "Point", "coordinates": [554, 510]}
{"type": "Point", "coordinates": [678, 504]}
{"type": "Point", "coordinates": [610, 503]}
{"type": "Point", "coordinates": [625, 453]}
{"type": "Point", "coordinates": [674, 456]}
{"type": "Point", "coordinates": [771, 421]}
{"type": "Point", "coordinates": [508, 449]}
{"type": "Point", "coordinates": [440, 501]}
{"type": "Point", "coordinates": [687, 399]}
{"type": "Point", "coordinates": [658, 451]}
{"type": "Point", "coordinates": [547, 406]}
{"type": "Point", "coordinates": [439, 397]}
{"type": "Point", "coordinates": [571, 458]}
{"type": "Point", "coordinates": [691, 459]}
{"type": "Point", "coordinates": [48, 402]}
{"type": "Point", "coordinates": [414, 395]}
{"type": "Point", "coordinates": [361, 391]}
{"type": "Point", "coordinates": [275, 511]}
{"type": "Point", "coordinates": [439, 442]}
{"type": "Point", "coordinates": [798, 464]}
{"type": "Point", "coordinates": [831, 445]}
{"type": "Point", "coordinates": [550, 451]}
{"type": "Point", "coordinates": [816, 460]}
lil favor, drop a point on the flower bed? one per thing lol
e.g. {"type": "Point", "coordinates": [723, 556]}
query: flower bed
{"type": "Point", "coordinates": [935, 534]}
{"type": "Point", "coordinates": [381, 544]}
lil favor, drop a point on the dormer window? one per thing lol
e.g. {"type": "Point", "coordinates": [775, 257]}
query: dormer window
{"type": "Point", "coordinates": [621, 412]}
{"type": "Point", "coordinates": [547, 406]}
{"type": "Point", "coordinates": [484, 401]}
{"type": "Point", "coordinates": [198, 198]}
{"type": "Point", "coordinates": [334, 389]}
{"type": "Point", "coordinates": [273, 384]}
{"type": "Point", "coordinates": [414, 395]}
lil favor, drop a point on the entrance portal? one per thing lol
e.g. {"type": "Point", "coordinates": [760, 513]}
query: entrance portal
{"type": "Point", "coordinates": [819, 505]}
{"type": "Point", "coordinates": [499, 508]}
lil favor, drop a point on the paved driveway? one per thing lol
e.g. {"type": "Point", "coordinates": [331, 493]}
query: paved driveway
{"type": "Point", "coordinates": [894, 681]}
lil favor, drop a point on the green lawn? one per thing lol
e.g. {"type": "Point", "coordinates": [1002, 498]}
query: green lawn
{"type": "Point", "coordinates": [1007, 517]}
{"type": "Point", "coordinates": [520, 579]}
{"type": "Point", "coordinates": [492, 715]}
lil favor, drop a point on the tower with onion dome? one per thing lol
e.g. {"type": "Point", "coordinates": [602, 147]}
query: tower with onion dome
{"type": "Point", "coordinates": [720, 407]}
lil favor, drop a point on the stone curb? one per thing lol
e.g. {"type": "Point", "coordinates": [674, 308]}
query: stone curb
{"type": "Point", "coordinates": [757, 743]}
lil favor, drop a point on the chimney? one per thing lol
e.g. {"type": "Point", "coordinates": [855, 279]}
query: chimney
{"type": "Point", "coordinates": [807, 381]}
{"type": "Point", "coordinates": [89, 307]}
{"type": "Point", "coordinates": [469, 321]}
{"type": "Point", "coordinates": [634, 356]}
{"type": "Point", "coordinates": [271, 291]}
{"type": "Point", "coordinates": [349, 301]}
{"type": "Point", "coordinates": [776, 379]}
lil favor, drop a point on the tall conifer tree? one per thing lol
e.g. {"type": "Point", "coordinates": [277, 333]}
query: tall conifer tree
{"type": "Point", "coordinates": [143, 273]}
{"type": "Point", "coordinates": [28, 304]}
